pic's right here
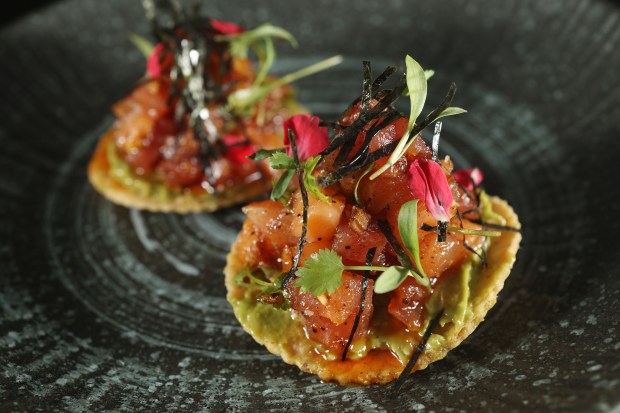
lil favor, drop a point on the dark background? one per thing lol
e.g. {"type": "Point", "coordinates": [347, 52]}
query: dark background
{"type": "Point", "coordinates": [18, 9]}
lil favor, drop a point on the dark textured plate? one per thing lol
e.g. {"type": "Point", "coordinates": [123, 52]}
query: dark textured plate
{"type": "Point", "coordinates": [104, 308]}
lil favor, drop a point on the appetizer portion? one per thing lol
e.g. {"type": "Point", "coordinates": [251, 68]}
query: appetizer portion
{"type": "Point", "coordinates": [181, 137]}
{"type": "Point", "coordinates": [373, 257]}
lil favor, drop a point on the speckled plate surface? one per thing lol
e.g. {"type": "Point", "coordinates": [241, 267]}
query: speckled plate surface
{"type": "Point", "coordinates": [108, 309]}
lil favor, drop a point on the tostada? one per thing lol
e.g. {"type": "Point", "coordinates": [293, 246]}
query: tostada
{"type": "Point", "coordinates": [373, 257]}
{"type": "Point", "coordinates": [181, 137]}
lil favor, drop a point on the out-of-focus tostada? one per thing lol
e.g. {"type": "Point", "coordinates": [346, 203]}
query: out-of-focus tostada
{"type": "Point", "coordinates": [373, 257]}
{"type": "Point", "coordinates": [180, 139]}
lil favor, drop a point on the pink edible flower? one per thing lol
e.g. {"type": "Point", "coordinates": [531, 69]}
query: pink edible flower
{"type": "Point", "coordinates": [223, 27]}
{"type": "Point", "coordinates": [237, 148]}
{"type": "Point", "coordinates": [469, 178]}
{"type": "Point", "coordinates": [310, 138]}
{"type": "Point", "coordinates": [428, 183]}
{"type": "Point", "coordinates": [153, 67]}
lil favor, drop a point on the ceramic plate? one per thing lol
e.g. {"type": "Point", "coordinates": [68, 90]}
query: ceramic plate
{"type": "Point", "coordinates": [109, 309]}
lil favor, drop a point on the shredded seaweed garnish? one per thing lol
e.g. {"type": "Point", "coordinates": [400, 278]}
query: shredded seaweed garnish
{"type": "Point", "coordinates": [387, 72]}
{"type": "Point", "coordinates": [369, 257]}
{"type": "Point", "coordinates": [348, 168]}
{"type": "Point", "coordinates": [416, 355]}
{"type": "Point", "coordinates": [197, 54]}
{"type": "Point", "coordinates": [366, 86]}
{"type": "Point", "coordinates": [304, 225]}
{"type": "Point", "coordinates": [384, 99]}
{"type": "Point", "coordinates": [442, 229]}
{"type": "Point", "coordinates": [184, 36]}
{"type": "Point", "coordinates": [403, 258]}
{"type": "Point", "coordinates": [362, 153]}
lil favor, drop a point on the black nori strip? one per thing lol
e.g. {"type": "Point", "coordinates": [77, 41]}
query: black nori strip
{"type": "Point", "coordinates": [494, 226]}
{"type": "Point", "coordinates": [369, 257]}
{"type": "Point", "coordinates": [430, 118]}
{"type": "Point", "coordinates": [403, 258]}
{"type": "Point", "coordinates": [348, 169]}
{"type": "Point", "coordinates": [482, 255]}
{"type": "Point", "coordinates": [416, 355]}
{"type": "Point", "coordinates": [386, 99]}
{"type": "Point", "coordinates": [361, 155]}
{"type": "Point", "coordinates": [366, 86]}
{"type": "Point", "coordinates": [389, 71]}
{"type": "Point", "coordinates": [304, 198]}
{"type": "Point", "coordinates": [426, 227]}
{"type": "Point", "coordinates": [191, 92]}
{"type": "Point", "coordinates": [441, 231]}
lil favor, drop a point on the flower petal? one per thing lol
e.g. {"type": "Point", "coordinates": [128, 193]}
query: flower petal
{"type": "Point", "coordinates": [310, 138]}
{"type": "Point", "coordinates": [224, 27]}
{"type": "Point", "coordinates": [428, 183]}
{"type": "Point", "coordinates": [469, 178]}
{"type": "Point", "coordinates": [237, 148]}
{"type": "Point", "coordinates": [153, 67]}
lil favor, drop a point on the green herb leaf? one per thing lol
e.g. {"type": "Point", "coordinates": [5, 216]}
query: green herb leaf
{"type": "Point", "coordinates": [408, 230]}
{"type": "Point", "coordinates": [264, 154]}
{"type": "Point", "coordinates": [240, 43]}
{"type": "Point", "coordinates": [451, 111]}
{"type": "Point", "coordinates": [390, 279]}
{"type": "Point", "coordinates": [281, 160]}
{"type": "Point", "coordinates": [144, 45]}
{"type": "Point", "coordinates": [417, 87]}
{"type": "Point", "coordinates": [310, 181]}
{"type": "Point", "coordinates": [241, 101]}
{"type": "Point", "coordinates": [322, 273]}
{"type": "Point", "coordinates": [421, 279]}
{"type": "Point", "coordinates": [279, 188]}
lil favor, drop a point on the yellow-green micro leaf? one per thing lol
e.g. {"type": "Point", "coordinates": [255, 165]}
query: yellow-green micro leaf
{"type": "Point", "coordinates": [144, 45]}
{"type": "Point", "coordinates": [310, 181]}
{"type": "Point", "coordinates": [451, 111]}
{"type": "Point", "coordinates": [408, 230]}
{"type": "Point", "coordinates": [421, 279]}
{"type": "Point", "coordinates": [390, 279]}
{"type": "Point", "coordinates": [321, 273]}
{"type": "Point", "coordinates": [417, 87]}
{"type": "Point", "coordinates": [279, 188]}
{"type": "Point", "coordinates": [267, 55]}
{"type": "Point", "coordinates": [241, 100]}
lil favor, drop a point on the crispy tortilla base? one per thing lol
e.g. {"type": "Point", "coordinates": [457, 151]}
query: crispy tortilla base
{"type": "Point", "coordinates": [118, 193]}
{"type": "Point", "coordinates": [288, 340]}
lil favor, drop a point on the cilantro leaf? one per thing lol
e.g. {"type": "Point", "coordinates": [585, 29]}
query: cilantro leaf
{"type": "Point", "coordinates": [322, 273]}
{"type": "Point", "coordinates": [264, 153]}
{"type": "Point", "coordinates": [280, 160]}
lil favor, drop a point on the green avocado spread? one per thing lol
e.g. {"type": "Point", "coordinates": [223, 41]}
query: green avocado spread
{"type": "Point", "coordinates": [455, 295]}
{"type": "Point", "coordinates": [121, 172]}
